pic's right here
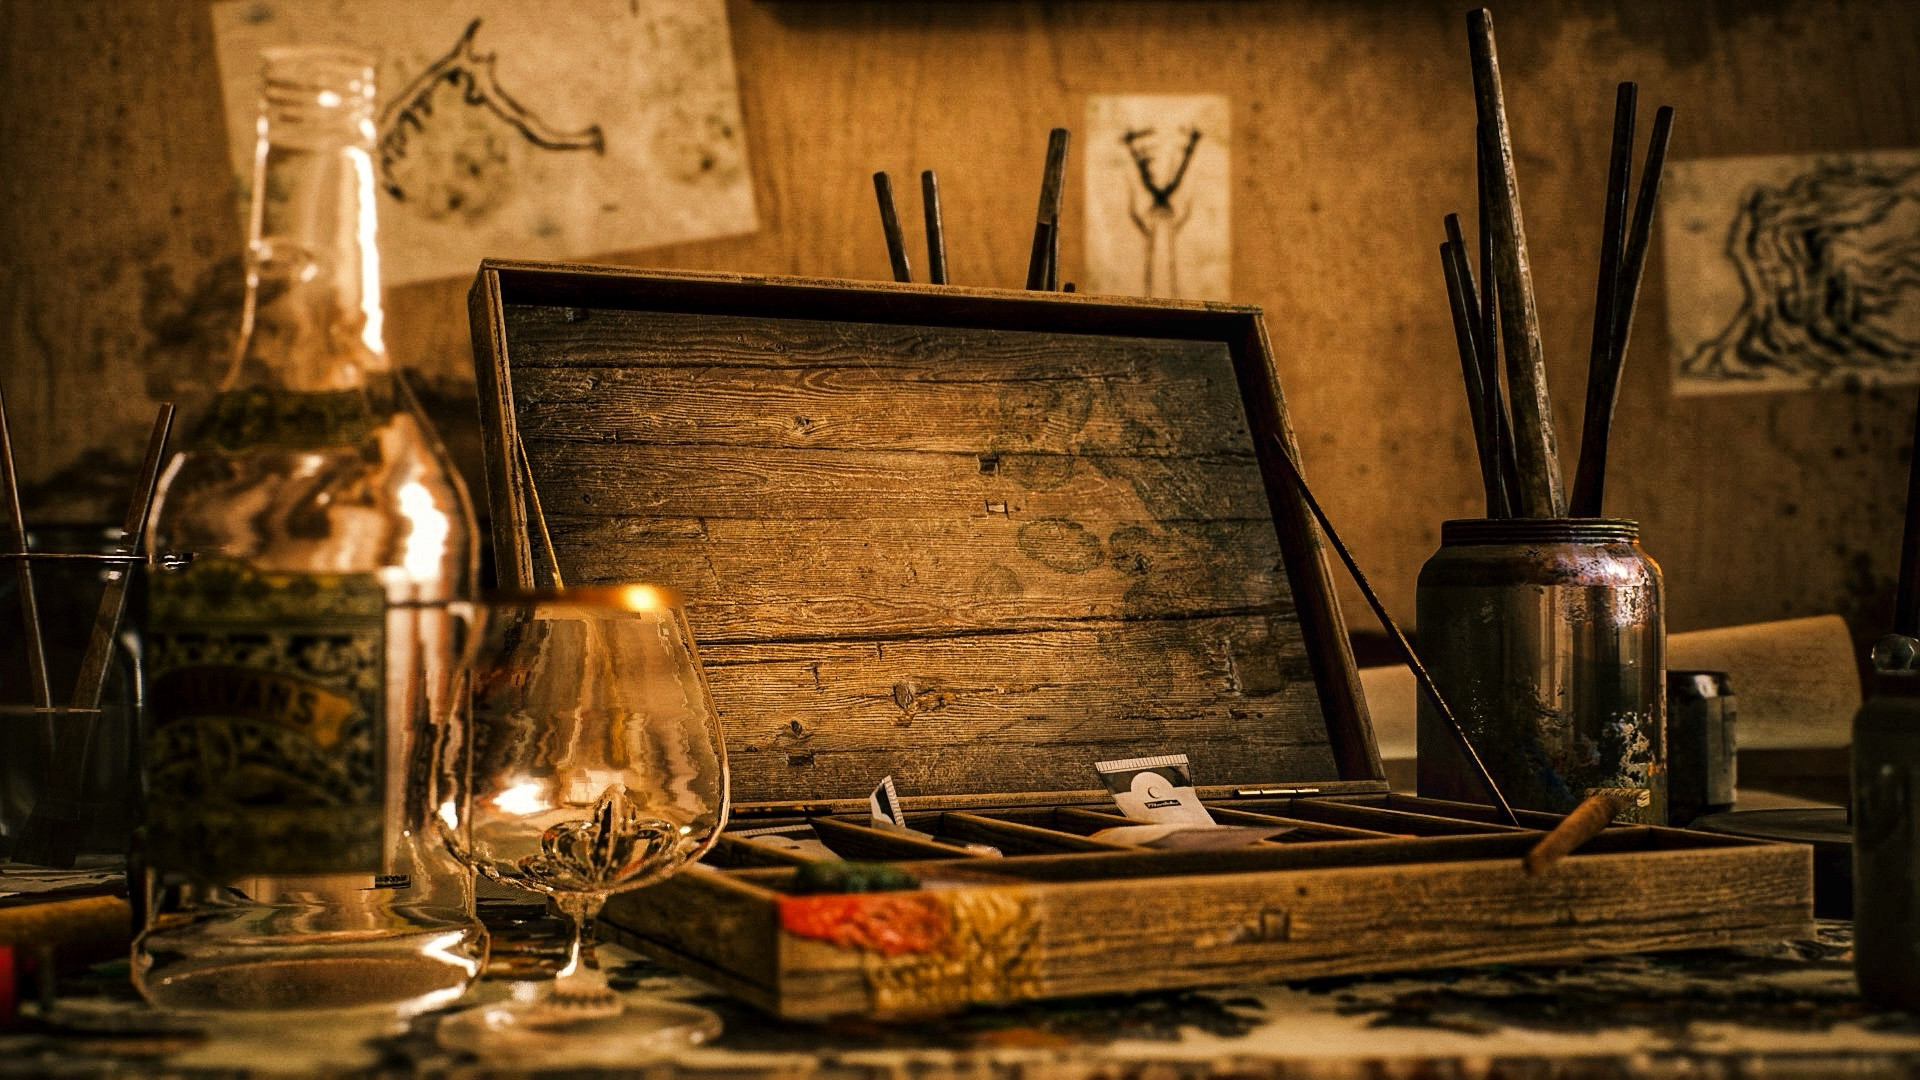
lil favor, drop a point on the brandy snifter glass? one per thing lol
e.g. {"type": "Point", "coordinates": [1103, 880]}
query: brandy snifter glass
{"type": "Point", "coordinates": [589, 762]}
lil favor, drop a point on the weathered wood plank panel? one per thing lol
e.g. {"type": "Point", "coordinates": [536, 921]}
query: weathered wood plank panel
{"type": "Point", "coordinates": [583, 479]}
{"type": "Point", "coordinates": [1018, 712]}
{"type": "Point", "coordinates": [992, 571]}
{"type": "Point", "coordinates": [941, 545]}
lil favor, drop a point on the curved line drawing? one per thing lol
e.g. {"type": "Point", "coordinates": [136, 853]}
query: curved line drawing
{"type": "Point", "coordinates": [472, 72]}
{"type": "Point", "coordinates": [1161, 224]}
{"type": "Point", "coordinates": [1829, 265]}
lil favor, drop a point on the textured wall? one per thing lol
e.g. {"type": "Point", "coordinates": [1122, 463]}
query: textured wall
{"type": "Point", "coordinates": [1352, 125]}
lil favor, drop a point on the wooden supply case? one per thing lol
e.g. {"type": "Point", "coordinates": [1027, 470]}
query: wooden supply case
{"type": "Point", "coordinates": [979, 540]}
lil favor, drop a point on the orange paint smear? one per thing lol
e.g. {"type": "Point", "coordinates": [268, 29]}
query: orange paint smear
{"type": "Point", "coordinates": [888, 923]}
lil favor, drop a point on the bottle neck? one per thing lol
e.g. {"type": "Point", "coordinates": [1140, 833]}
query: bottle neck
{"type": "Point", "coordinates": [312, 320]}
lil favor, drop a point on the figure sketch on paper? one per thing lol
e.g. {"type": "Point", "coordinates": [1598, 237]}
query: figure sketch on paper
{"type": "Point", "coordinates": [448, 139]}
{"type": "Point", "coordinates": [1829, 269]}
{"type": "Point", "coordinates": [1158, 194]}
{"type": "Point", "coordinates": [1160, 224]}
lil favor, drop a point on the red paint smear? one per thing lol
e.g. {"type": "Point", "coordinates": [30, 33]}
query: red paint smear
{"type": "Point", "coordinates": [887, 923]}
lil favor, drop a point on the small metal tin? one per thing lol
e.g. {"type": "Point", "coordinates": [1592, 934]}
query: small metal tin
{"type": "Point", "coordinates": [1701, 768]}
{"type": "Point", "coordinates": [1547, 639]}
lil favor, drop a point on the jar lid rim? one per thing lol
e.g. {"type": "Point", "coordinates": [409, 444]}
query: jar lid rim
{"type": "Point", "coordinates": [1515, 530]}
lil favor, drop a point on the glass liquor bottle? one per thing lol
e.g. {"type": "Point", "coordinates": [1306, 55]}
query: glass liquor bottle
{"type": "Point", "coordinates": [301, 660]}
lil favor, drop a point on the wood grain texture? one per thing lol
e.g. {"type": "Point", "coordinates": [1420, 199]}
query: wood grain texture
{"type": "Point", "coordinates": [1536, 455]}
{"type": "Point", "coordinates": [1040, 926]}
{"type": "Point", "coordinates": [975, 541]}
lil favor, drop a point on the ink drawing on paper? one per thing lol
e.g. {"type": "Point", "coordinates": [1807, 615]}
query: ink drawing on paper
{"type": "Point", "coordinates": [524, 131]}
{"type": "Point", "coordinates": [1157, 196]}
{"type": "Point", "coordinates": [1793, 272]}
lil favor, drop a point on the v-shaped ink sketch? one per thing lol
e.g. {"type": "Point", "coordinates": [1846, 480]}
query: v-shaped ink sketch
{"type": "Point", "coordinates": [532, 131]}
{"type": "Point", "coordinates": [1160, 224]}
{"type": "Point", "coordinates": [1157, 196]}
{"type": "Point", "coordinates": [1814, 280]}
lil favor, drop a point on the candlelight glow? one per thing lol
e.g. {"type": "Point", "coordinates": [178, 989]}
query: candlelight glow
{"type": "Point", "coordinates": [527, 797]}
{"type": "Point", "coordinates": [427, 539]}
{"type": "Point", "coordinates": [373, 331]}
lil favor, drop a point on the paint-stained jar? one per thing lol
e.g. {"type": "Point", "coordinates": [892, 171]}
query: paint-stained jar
{"type": "Point", "coordinates": [1547, 640]}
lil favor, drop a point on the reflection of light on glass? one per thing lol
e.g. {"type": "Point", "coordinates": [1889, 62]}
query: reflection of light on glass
{"type": "Point", "coordinates": [371, 332]}
{"type": "Point", "coordinates": [523, 798]}
{"type": "Point", "coordinates": [329, 99]}
{"type": "Point", "coordinates": [427, 540]}
{"type": "Point", "coordinates": [447, 947]}
{"type": "Point", "coordinates": [586, 788]}
{"type": "Point", "coordinates": [449, 814]}
{"type": "Point", "coordinates": [643, 598]}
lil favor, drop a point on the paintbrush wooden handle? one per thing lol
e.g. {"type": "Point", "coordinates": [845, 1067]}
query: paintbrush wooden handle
{"type": "Point", "coordinates": [1041, 261]}
{"type": "Point", "coordinates": [1589, 484]}
{"type": "Point", "coordinates": [936, 228]}
{"type": "Point", "coordinates": [1587, 821]}
{"type": "Point", "coordinates": [29, 602]}
{"type": "Point", "coordinates": [1488, 336]}
{"type": "Point", "coordinates": [1536, 457]}
{"type": "Point", "coordinates": [890, 225]}
{"type": "Point", "coordinates": [1603, 359]}
{"type": "Point", "coordinates": [1412, 659]}
{"type": "Point", "coordinates": [91, 683]}
{"type": "Point", "coordinates": [1453, 263]}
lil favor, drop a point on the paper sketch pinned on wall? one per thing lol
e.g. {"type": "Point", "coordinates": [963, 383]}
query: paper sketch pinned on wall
{"type": "Point", "coordinates": [1793, 272]}
{"type": "Point", "coordinates": [1157, 196]}
{"type": "Point", "coordinates": [539, 131]}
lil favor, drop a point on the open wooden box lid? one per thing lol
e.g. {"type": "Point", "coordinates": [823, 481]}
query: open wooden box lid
{"type": "Point", "coordinates": [977, 540]}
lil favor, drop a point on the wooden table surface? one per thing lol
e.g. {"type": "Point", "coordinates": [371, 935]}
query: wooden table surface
{"type": "Point", "coordinates": [1785, 1010]}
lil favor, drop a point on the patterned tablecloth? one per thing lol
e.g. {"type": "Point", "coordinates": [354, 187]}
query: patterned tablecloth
{"type": "Point", "coordinates": [1786, 1010]}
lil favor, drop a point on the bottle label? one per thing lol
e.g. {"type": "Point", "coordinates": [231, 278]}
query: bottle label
{"type": "Point", "coordinates": [255, 417]}
{"type": "Point", "coordinates": [266, 752]}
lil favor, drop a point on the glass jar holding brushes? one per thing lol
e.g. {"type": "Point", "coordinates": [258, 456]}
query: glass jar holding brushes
{"type": "Point", "coordinates": [1542, 623]}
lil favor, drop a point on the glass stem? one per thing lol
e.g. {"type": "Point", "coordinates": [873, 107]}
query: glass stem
{"type": "Point", "coordinates": [582, 975]}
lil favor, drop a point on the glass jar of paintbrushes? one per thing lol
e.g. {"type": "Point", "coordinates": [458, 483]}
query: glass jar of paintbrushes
{"type": "Point", "coordinates": [1542, 623]}
{"type": "Point", "coordinates": [70, 693]}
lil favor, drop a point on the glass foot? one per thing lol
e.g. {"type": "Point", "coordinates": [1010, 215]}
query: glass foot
{"type": "Point", "coordinates": [553, 1031]}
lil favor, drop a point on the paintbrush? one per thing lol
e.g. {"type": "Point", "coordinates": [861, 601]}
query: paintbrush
{"type": "Point", "coordinates": [1488, 337]}
{"type": "Point", "coordinates": [51, 834]}
{"type": "Point", "coordinates": [1481, 398]}
{"type": "Point", "coordinates": [1613, 238]}
{"type": "Point", "coordinates": [1453, 262]}
{"type": "Point", "coordinates": [890, 225]}
{"type": "Point", "coordinates": [936, 231]}
{"type": "Point", "coordinates": [1412, 659]}
{"type": "Point", "coordinates": [29, 604]}
{"type": "Point", "coordinates": [1537, 460]}
{"type": "Point", "coordinates": [1603, 378]}
{"type": "Point", "coordinates": [1043, 262]}
{"type": "Point", "coordinates": [537, 516]}
{"type": "Point", "coordinates": [91, 683]}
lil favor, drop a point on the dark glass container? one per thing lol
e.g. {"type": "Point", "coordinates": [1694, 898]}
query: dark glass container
{"type": "Point", "coordinates": [1547, 639]}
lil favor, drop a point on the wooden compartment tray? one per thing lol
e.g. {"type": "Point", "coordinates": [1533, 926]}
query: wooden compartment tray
{"type": "Point", "coordinates": [979, 540]}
